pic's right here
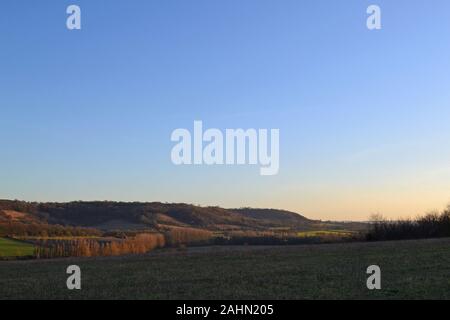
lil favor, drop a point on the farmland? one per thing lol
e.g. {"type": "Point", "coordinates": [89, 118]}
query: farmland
{"type": "Point", "coordinates": [12, 248]}
{"type": "Point", "coordinates": [326, 233]}
{"type": "Point", "coordinates": [415, 269]}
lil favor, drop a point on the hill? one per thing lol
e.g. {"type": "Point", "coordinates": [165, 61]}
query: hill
{"type": "Point", "coordinates": [274, 215]}
{"type": "Point", "coordinates": [108, 215]}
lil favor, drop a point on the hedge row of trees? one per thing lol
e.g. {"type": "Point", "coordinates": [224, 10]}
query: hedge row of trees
{"type": "Point", "coordinates": [433, 225]}
{"type": "Point", "coordinates": [141, 244]}
{"type": "Point", "coordinates": [185, 236]}
{"type": "Point", "coordinates": [138, 244]}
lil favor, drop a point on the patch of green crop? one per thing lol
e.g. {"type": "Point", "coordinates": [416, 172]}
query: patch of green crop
{"type": "Point", "coordinates": [12, 248]}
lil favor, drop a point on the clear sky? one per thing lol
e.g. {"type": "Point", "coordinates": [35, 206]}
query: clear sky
{"type": "Point", "coordinates": [363, 115]}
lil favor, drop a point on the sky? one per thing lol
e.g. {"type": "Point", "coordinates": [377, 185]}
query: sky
{"type": "Point", "coordinates": [363, 115]}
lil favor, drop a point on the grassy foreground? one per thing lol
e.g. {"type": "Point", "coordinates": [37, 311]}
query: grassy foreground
{"type": "Point", "coordinates": [11, 248]}
{"type": "Point", "coordinates": [410, 269]}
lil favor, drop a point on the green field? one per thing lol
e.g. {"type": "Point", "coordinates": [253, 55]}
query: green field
{"type": "Point", "coordinates": [325, 233]}
{"type": "Point", "coordinates": [410, 269]}
{"type": "Point", "coordinates": [12, 248]}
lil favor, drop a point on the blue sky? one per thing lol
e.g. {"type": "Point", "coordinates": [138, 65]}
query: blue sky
{"type": "Point", "coordinates": [363, 115]}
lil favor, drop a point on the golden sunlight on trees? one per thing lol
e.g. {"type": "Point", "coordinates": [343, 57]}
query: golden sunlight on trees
{"type": "Point", "coordinates": [142, 243]}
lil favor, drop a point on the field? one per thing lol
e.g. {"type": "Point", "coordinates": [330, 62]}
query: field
{"type": "Point", "coordinates": [11, 248]}
{"type": "Point", "coordinates": [410, 269]}
{"type": "Point", "coordinates": [326, 233]}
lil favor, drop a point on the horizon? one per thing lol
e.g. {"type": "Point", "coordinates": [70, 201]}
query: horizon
{"type": "Point", "coordinates": [362, 114]}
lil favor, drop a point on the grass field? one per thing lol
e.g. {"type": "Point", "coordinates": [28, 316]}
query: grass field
{"type": "Point", "coordinates": [11, 248]}
{"type": "Point", "coordinates": [325, 233]}
{"type": "Point", "coordinates": [410, 269]}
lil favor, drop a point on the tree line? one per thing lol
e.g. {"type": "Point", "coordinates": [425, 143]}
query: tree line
{"type": "Point", "coordinates": [432, 225]}
{"type": "Point", "coordinates": [141, 244]}
{"type": "Point", "coordinates": [19, 229]}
